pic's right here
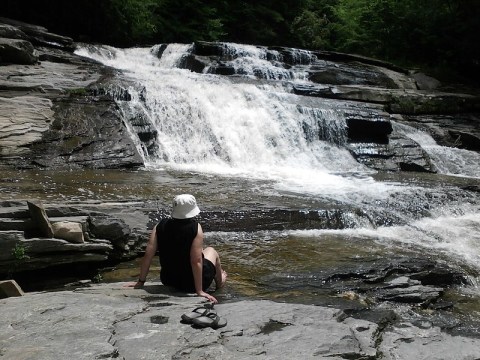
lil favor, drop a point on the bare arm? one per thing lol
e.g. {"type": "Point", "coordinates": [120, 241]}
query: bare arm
{"type": "Point", "coordinates": [197, 264]}
{"type": "Point", "coordinates": [150, 251]}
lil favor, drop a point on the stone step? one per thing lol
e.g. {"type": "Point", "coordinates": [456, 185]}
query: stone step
{"type": "Point", "coordinates": [16, 212]}
{"type": "Point", "coordinates": [15, 224]}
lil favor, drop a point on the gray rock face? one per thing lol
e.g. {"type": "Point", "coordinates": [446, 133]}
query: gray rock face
{"type": "Point", "coordinates": [67, 325]}
{"type": "Point", "coordinates": [13, 51]}
{"type": "Point", "coordinates": [26, 246]}
{"type": "Point", "coordinates": [48, 115]}
{"type": "Point", "coordinates": [111, 321]}
{"type": "Point", "coordinates": [24, 119]}
{"type": "Point", "coordinates": [38, 35]}
{"type": "Point", "coordinates": [11, 32]}
{"type": "Point", "coordinates": [85, 133]}
{"type": "Point", "coordinates": [60, 111]}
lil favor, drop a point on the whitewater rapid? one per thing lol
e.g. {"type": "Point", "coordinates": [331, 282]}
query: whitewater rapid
{"type": "Point", "coordinates": [240, 129]}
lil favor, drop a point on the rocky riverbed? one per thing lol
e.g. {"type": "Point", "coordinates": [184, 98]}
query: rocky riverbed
{"type": "Point", "coordinates": [111, 322]}
{"type": "Point", "coordinates": [363, 301]}
{"type": "Point", "coordinates": [390, 272]}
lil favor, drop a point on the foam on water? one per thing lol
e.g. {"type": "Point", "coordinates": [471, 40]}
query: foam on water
{"type": "Point", "coordinates": [207, 123]}
{"type": "Point", "coordinates": [447, 160]}
{"type": "Point", "coordinates": [213, 125]}
{"type": "Point", "coordinates": [457, 236]}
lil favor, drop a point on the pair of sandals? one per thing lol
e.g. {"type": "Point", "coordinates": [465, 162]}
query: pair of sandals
{"type": "Point", "coordinates": [203, 317]}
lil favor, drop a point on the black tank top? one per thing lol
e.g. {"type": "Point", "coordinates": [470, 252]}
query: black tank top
{"type": "Point", "coordinates": [174, 239]}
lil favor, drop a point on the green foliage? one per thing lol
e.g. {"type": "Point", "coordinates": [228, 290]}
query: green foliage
{"type": "Point", "coordinates": [188, 20]}
{"type": "Point", "coordinates": [259, 22]}
{"type": "Point", "coordinates": [98, 278]}
{"type": "Point", "coordinates": [314, 24]}
{"type": "Point", "coordinates": [19, 252]}
{"type": "Point", "coordinates": [134, 17]}
{"type": "Point", "coordinates": [424, 32]}
{"type": "Point", "coordinates": [433, 33]}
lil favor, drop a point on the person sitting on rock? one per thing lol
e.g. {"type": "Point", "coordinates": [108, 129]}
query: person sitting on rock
{"type": "Point", "coordinates": [185, 264]}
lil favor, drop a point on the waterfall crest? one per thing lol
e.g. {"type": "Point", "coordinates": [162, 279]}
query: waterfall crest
{"type": "Point", "coordinates": [235, 126]}
{"type": "Point", "coordinates": [210, 122]}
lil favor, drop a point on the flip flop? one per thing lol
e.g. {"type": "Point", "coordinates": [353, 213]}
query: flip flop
{"type": "Point", "coordinates": [196, 313]}
{"type": "Point", "coordinates": [209, 320]}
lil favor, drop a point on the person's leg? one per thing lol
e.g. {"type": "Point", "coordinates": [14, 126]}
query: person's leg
{"type": "Point", "coordinates": [221, 276]}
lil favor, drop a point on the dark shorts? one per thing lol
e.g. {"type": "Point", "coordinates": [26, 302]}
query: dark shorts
{"type": "Point", "coordinates": [208, 273]}
{"type": "Point", "coordinates": [187, 285]}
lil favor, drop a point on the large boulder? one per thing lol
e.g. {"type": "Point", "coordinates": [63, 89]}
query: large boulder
{"type": "Point", "coordinates": [11, 32]}
{"type": "Point", "coordinates": [425, 82]}
{"type": "Point", "coordinates": [39, 35]}
{"type": "Point", "coordinates": [115, 230]}
{"type": "Point", "coordinates": [13, 51]}
{"type": "Point", "coordinates": [68, 230]}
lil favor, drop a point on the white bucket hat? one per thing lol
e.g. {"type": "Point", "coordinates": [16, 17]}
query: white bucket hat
{"type": "Point", "coordinates": [185, 207]}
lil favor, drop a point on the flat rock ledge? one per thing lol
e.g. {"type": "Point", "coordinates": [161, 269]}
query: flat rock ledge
{"type": "Point", "coordinates": [110, 321]}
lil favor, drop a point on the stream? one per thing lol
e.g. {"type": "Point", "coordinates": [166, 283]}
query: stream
{"type": "Point", "coordinates": [238, 145]}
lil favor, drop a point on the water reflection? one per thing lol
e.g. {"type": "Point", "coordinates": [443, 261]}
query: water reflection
{"type": "Point", "coordinates": [77, 186]}
{"type": "Point", "coordinates": [113, 185]}
{"type": "Point", "coordinates": [294, 266]}
{"type": "Point", "coordinates": [283, 265]}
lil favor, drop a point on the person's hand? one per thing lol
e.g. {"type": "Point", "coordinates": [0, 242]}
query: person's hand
{"type": "Point", "coordinates": [208, 296]}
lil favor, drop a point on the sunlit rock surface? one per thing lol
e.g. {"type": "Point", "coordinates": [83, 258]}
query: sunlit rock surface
{"type": "Point", "coordinates": [110, 321]}
{"type": "Point", "coordinates": [48, 118]}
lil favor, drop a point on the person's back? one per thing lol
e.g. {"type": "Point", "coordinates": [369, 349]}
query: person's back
{"type": "Point", "coordinates": [175, 237]}
{"type": "Point", "coordinates": [185, 263]}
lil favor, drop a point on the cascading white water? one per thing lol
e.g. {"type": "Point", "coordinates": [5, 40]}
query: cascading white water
{"type": "Point", "coordinates": [253, 62]}
{"type": "Point", "coordinates": [228, 127]}
{"type": "Point", "coordinates": [208, 123]}
{"type": "Point", "coordinates": [447, 160]}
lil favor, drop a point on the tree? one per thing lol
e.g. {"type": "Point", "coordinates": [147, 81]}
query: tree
{"type": "Point", "coordinates": [134, 20]}
{"type": "Point", "coordinates": [188, 20]}
{"type": "Point", "coordinates": [312, 28]}
{"type": "Point", "coordinates": [260, 22]}
{"type": "Point", "coordinates": [435, 33]}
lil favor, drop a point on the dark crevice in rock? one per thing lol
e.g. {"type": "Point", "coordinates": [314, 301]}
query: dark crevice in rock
{"type": "Point", "coordinates": [160, 305]}
{"type": "Point", "coordinates": [155, 298]}
{"type": "Point", "coordinates": [158, 319]}
{"type": "Point", "coordinates": [113, 355]}
{"type": "Point", "coordinates": [272, 326]}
